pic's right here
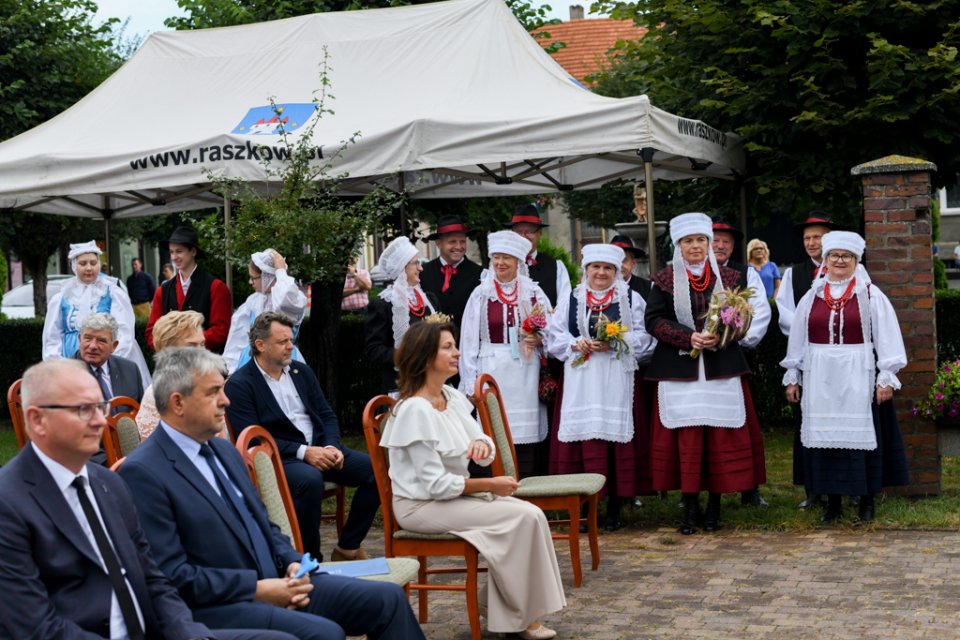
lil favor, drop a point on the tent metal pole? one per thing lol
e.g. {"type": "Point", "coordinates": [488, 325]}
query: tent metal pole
{"type": "Point", "coordinates": [743, 214]}
{"type": "Point", "coordinates": [647, 155]}
{"type": "Point", "coordinates": [226, 250]}
{"type": "Point", "coordinates": [106, 230]}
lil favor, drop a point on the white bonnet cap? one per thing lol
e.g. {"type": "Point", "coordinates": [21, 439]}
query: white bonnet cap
{"type": "Point", "coordinates": [264, 261]}
{"type": "Point", "coordinates": [82, 248]}
{"type": "Point", "coordinates": [848, 240]}
{"type": "Point", "coordinates": [688, 224]}
{"type": "Point", "coordinates": [607, 253]}
{"type": "Point", "coordinates": [510, 243]}
{"type": "Point", "coordinates": [395, 257]}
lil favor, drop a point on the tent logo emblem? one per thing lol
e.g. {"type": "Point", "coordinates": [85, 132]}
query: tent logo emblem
{"type": "Point", "coordinates": [267, 120]}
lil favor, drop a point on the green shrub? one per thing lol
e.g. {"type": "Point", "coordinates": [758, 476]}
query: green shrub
{"type": "Point", "coordinates": [559, 253]}
{"type": "Point", "coordinates": [23, 346]}
{"type": "Point", "coordinates": [940, 274]}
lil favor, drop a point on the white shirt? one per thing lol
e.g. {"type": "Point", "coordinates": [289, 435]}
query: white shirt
{"type": "Point", "coordinates": [191, 449]}
{"type": "Point", "coordinates": [185, 282]}
{"type": "Point", "coordinates": [786, 306]}
{"type": "Point", "coordinates": [63, 478]}
{"type": "Point", "coordinates": [287, 396]}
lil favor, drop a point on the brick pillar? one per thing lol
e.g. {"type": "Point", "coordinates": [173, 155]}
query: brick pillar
{"type": "Point", "coordinates": [896, 211]}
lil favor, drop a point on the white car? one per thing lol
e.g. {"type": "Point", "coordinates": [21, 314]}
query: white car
{"type": "Point", "coordinates": [18, 302]}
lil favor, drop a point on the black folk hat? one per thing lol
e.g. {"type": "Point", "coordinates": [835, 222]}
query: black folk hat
{"type": "Point", "coordinates": [527, 214]}
{"type": "Point", "coordinates": [821, 218]}
{"type": "Point", "coordinates": [448, 224]}
{"type": "Point", "coordinates": [721, 224]}
{"type": "Point", "coordinates": [626, 243]}
{"type": "Point", "coordinates": [185, 234]}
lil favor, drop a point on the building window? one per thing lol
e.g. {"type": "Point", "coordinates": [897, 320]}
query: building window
{"type": "Point", "coordinates": [950, 200]}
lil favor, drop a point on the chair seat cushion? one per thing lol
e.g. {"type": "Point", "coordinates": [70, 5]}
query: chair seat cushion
{"type": "Point", "coordinates": [561, 485]}
{"type": "Point", "coordinates": [330, 486]}
{"type": "Point", "coordinates": [402, 570]}
{"type": "Point", "coordinates": [403, 534]}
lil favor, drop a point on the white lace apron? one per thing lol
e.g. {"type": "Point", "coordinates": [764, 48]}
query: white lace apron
{"type": "Point", "coordinates": [837, 397]}
{"type": "Point", "coordinates": [702, 402]}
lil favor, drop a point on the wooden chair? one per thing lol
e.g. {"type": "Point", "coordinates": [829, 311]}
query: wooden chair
{"type": "Point", "coordinates": [15, 404]}
{"type": "Point", "coordinates": [128, 404]}
{"type": "Point", "coordinates": [266, 470]}
{"type": "Point", "coordinates": [121, 435]}
{"type": "Point", "coordinates": [564, 492]}
{"type": "Point", "coordinates": [400, 542]}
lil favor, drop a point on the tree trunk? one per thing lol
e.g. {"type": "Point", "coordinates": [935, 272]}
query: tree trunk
{"type": "Point", "coordinates": [38, 269]}
{"type": "Point", "coordinates": [324, 334]}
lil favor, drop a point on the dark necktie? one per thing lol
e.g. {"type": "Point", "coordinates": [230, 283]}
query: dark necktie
{"type": "Point", "coordinates": [261, 550]}
{"type": "Point", "coordinates": [448, 271]}
{"type": "Point", "coordinates": [104, 385]}
{"type": "Point", "coordinates": [114, 572]}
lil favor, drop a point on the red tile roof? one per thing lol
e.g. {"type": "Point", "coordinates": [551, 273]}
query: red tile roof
{"type": "Point", "coordinates": [588, 42]}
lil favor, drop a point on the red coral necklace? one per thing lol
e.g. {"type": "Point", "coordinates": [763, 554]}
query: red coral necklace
{"type": "Point", "coordinates": [700, 284]}
{"type": "Point", "coordinates": [509, 299]}
{"type": "Point", "coordinates": [417, 308]}
{"type": "Point", "coordinates": [839, 303]}
{"type": "Point", "coordinates": [599, 304]}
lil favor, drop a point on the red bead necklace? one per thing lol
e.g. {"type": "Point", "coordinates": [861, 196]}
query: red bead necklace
{"type": "Point", "coordinates": [509, 299]}
{"type": "Point", "coordinates": [417, 308]}
{"type": "Point", "coordinates": [839, 303]}
{"type": "Point", "coordinates": [700, 284]}
{"type": "Point", "coordinates": [599, 304]}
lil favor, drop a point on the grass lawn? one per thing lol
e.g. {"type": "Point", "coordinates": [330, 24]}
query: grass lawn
{"type": "Point", "coordinates": [893, 512]}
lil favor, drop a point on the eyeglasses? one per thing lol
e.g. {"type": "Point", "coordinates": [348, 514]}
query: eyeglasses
{"type": "Point", "coordinates": [83, 411]}
{"type": "Point", "coordinates": [841, 257]}
{"type": "Point", "coordinates": [254, 278]}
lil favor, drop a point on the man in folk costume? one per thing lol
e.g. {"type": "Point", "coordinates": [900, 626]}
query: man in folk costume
{"type": "Point", "coordinates": [451, 277]}
{"type": "Point", "coordinates": [193, 289]}
{"type": "Point", "coordinates": [798, 277]}
{"type": "Point", "coordinates": [549, 273]}
{"type": "Point", "coordinates": [631, 254]}
{"type": "Point", "coordinates": [601, 426]}
{"type": "Point", "coordinates": [400, 304]}
{"type": "Point", "coordinates": [796, 281]}
{"type": "Point", "coordinates": [493, 341]}
{"type": "Point", "coordinates": [725, 239]}
{"type": "Point", "coordinates": [845, 349]}
{"type": "Point", "coordinates": [702, 439]}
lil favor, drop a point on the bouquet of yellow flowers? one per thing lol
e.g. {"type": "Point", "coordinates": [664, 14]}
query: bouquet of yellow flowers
{"type": "Point", "coordinates": [608, 331]}
{"type": "Point", "coordinates": [729, 317]}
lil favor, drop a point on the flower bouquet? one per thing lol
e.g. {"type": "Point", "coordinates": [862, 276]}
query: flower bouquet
{"type": "Point", "coordinates": [534, 323]}
{"type": "Point", "coordinates": [943, 398]}
{"type": "Point", "coordinates": [608, 331]}
{"type": "Point", "coordinates": [729, 317]}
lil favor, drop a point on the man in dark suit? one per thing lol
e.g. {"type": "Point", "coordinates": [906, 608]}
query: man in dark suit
{"type": "Point", "coordinates": [451, 276]}
{"type": "Point", "coordinates": [210, 533]}
{"type": "Point", "coordinates": [117, 376]}
{"type": "Point", "coordinates": [75, 562]}
{"type": "Point", "coordinates": [551, 274]}
{"type": "Point", "coordinates": [631, 254]}
{"type": "Point", "coordinates": [284, 397]}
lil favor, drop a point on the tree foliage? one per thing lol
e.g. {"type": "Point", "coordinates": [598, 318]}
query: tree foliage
{"type": "Point", "coordinates": [814, 87]}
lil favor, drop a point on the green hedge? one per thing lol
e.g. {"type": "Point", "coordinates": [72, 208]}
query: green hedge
{"type": "Point", "coordinates": [360, 382]}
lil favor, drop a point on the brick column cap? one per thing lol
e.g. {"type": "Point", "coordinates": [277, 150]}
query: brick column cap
{"type": "Point", "coordinates": [893, 164]}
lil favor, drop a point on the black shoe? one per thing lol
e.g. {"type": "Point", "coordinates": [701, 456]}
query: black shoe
{"type": "Point", "coordinates": [866, 511]}
{"type": "Point", "coordinates": [611, 521]}
{"type": "Point", "coordinates": [752, 498]}
{"type": "Point", "coordinates": [711, 519]}
{"type": "Point", "coordinates": [834, 510]}
{"type": "Point", "coordinates": [691, 514]}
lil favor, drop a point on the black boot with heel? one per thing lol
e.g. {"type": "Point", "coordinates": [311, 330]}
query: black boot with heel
{"type": "Point", "coordinates": [711, 521]}
{"type": "Point", "coordinates": [834, 509]}
{"type": "Point", "coordinates": [691, 514]}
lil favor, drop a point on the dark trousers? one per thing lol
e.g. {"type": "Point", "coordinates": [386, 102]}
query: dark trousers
{"type": "Point", "coordinates": [306, 485]}
{"type": "Point", "coordinates": [338, 607]}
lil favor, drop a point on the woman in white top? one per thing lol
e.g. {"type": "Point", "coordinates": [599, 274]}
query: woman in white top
{"type": "Point", "coordinates": [89, 291]}
{"type": "Point", "coordinates": [273, 290]}
{"type": "Point", "coordinates": [493, 341]}
{"type": "Point", "coordinates": [430, 438]}
{"type": "Point", "coordinates": [844, 331]}
{"type": "Point", "coordinates": [600, 426]}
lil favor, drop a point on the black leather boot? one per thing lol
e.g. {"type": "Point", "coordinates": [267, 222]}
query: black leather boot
{"type": "Point", "coordinates": [691, 514]}
{"type": "Point", "coordinates": [711, 521]}
{"type": "Point", "coordinates": [834, 509]}
{"type": "Point", "coordinates": [866, 509]}
{"type": "Point", "coordinates": [612, 520]}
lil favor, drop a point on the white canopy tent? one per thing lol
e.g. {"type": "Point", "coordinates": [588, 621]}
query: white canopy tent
{"type": "Point", "coordinates": [451, 99]}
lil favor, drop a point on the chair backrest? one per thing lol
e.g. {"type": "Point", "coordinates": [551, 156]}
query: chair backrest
{"type": "Point", "coordinates": [15, 404]}
{"type": "Point", "coordinates": [127, 403]}
{"type": "Point", "coordinates": [374, 415]}
{"type": "Point", "coordinates": [111, 436]}
{"type": "Point", "coordinates": [265, 467]}
{"type": "Point", "coordinates": [128, 435]}
{"type": "Point", "coordinates": [493, 420]}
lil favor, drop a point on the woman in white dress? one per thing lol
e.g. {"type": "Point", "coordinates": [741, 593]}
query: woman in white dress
{"type": "Point", "coordinates": [273, 290]}
{"type": "Point", "coordinates": [493, 341]}
{"type": "Point", "coordinates": [601, 426]}
{"type": "Point", "coordinates": [89, 291]}
{"type": "Point", "coordinates": [844, 331]}
{"type": "Point", "coordinates": [430, 437]}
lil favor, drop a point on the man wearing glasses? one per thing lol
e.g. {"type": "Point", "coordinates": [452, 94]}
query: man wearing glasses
{"type": "Point", "coordinates": [75, 562]}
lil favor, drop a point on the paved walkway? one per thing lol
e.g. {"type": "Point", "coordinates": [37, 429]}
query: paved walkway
{"type": "Point", "coordinates": [825, 584]}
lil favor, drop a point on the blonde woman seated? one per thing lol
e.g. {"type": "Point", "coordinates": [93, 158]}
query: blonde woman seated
{"type": "Point", "coordinates": [175, 329]}
{"type": "Point", "coordinates": [430, 437]}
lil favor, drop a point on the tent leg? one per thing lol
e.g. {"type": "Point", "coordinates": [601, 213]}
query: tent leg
{"type": "Point", "coordinates": [651, 219]}
{"type": "Point", "coordinates": [226, 252]}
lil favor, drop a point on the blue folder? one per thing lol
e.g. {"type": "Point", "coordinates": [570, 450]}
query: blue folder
{"type": "Point", "coordinates": [356, 568]}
